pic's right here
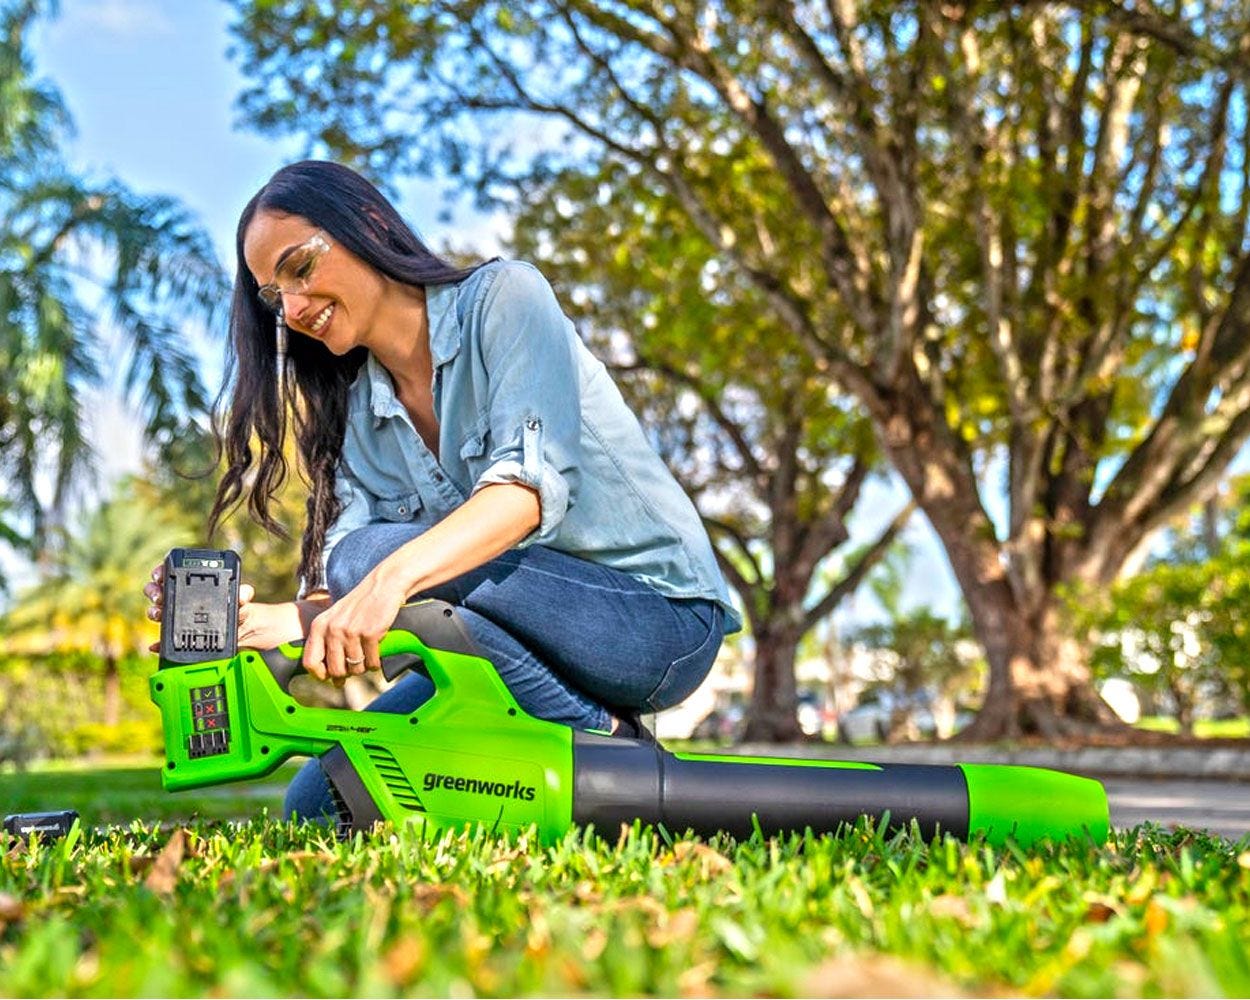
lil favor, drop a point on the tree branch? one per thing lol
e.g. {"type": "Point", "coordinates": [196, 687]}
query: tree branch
{"type": "Point", "coordinates": [855, 576]}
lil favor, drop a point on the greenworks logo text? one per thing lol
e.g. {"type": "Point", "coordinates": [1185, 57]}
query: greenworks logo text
{"type": "Point", "coordinates": [479, 786]}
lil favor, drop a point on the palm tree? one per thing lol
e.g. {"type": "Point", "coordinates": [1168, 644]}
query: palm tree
{"type": "Point", "coordinates": [55, 227]}
{"type": "Point", "coordinates": [90, 599]}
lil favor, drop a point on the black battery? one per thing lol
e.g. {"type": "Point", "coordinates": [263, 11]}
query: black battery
{"type": "Point", "coordinates": [48, 825]}
{"type": "Point", "coordinates": [199, 621]}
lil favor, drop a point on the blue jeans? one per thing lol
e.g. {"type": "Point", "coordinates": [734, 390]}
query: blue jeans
{"type": "Point", "coordinates": [571, 639]}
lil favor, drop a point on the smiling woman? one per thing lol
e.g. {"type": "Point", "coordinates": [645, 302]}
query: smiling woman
{"type": "Point", "coordinates": [461, 443]}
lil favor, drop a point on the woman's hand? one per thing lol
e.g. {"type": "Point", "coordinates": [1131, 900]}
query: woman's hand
{"type": "Point", "coordinates": [343, 640]}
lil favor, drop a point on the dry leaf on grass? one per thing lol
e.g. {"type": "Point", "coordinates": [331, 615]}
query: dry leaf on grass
{"type": "Point", "coordinates": [677, 926]}
{"type": "Point", "coordinates": [164, 874]}
{"type": "Point", "coordinates": [11, 908]}
{"type": "Point", "coordinates": [955, 907]}
{"type": "Point", "coordinates": [428, 895]}
{"type": "Point", "coordinates": [403, 962]}
{"type": "Point", "coordinates": [711, 862]}
{"type": "Point", "coordinates": [1099, 912]}
{"type": "Point", "coordinates": [872, 975]}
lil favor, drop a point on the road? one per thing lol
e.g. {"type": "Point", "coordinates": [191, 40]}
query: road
{"type": "Point", "coordinates": [1221, 807]}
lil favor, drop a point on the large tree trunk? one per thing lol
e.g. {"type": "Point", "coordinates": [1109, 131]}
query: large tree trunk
{"type": "Point", "coordinates": [1039, 680]}
{"type": "Point", "coordinates": [774, 713]}
{"type": "Point", "coordinates": [1040, 683]}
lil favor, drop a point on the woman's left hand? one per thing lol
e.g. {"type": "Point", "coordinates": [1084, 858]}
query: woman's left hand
{"type": "Point", "coordinates": [343, 639]}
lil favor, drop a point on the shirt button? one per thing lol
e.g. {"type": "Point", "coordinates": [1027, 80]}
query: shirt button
{"type": "Point", "coordinates": [403, 510]}
{"type": "Point", "coordinates": [439, 477]}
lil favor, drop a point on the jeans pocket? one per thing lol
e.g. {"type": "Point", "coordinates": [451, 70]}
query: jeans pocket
{"type": "Point", "coordinates": [687, 672]}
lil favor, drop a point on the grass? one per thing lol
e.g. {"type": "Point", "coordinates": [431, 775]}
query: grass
{"type": "Point", "coordinates": [121, 789]}
{"type": "Point", "coordinates": [271, 909]}
{"type": "Point", "coordinates": [1203, 728]}
{"type": "Point", "coordinates": [276, 910]}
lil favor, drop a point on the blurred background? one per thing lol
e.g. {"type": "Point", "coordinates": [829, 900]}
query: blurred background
{"type": "Point", "coordinates": [938, 311]}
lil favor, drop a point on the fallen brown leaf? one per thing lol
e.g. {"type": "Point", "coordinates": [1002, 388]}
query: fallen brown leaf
{"type": "Point", "coordinates": [676, 926]}
{"type": "Point", "coordinates": [428, 895]}
{"type": "Point", "coordinates": [11, 908]}
{"type": "Point", "coordinates": [696, 981]}
{"type": "Point", "coordinates": [164, 874]}
{"type": "Point", "coordinates": [594, 944]}
{"type": "Point", "coordinates": [956, 907]}
{"type": "Point", "coordinates": [873, 975]}
{"type": "Point", "coordinates": [711, 862]}
{"type": "Point", "coordinates": [402, 963]}
{"type": "Point", "coordinates": [1099, 913]}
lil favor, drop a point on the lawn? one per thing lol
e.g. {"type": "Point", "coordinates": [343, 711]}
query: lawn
{"type": "Point", "coordinates": [263, 908]}
{"type": "Point", "coordinates": [120, 789]}
{"type": "Point", "coordinates": [1203, 728]}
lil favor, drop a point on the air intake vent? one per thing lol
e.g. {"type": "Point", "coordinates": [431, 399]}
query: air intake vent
{"type": "Point", "coordinates": [393, 776]}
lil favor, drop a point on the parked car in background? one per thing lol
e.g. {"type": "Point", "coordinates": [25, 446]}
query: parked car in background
{"type": "Point", "coordinates": [869, 721]}
{"type": "Point", "coordinates": [724, 724]}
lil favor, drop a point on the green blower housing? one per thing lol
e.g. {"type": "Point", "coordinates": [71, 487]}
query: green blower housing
{"type": "Point", "coordinates": [471, 754]}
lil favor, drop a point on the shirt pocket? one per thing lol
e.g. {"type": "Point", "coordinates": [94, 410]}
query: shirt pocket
{"type": "Point", "coordinates": [403, 507]}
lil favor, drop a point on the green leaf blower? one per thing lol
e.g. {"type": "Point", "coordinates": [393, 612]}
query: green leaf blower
{"type": "Point", "coordinates": [471, 754]}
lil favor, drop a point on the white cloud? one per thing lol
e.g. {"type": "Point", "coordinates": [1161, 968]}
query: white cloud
{"type": "Point", "coordinates": [120, 18]}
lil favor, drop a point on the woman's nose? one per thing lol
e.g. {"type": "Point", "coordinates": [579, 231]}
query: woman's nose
{"type": "Point", "coordinates": [293, 304]}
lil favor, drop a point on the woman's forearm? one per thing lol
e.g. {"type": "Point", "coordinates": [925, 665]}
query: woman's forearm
{"type": "Point", "coordinates": [264, 626]}
{"type": "Point", "coordinates": [488, 524]}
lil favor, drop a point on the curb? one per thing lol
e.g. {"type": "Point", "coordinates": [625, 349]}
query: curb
{"type": "Point", "coordinates": [1195, 763]}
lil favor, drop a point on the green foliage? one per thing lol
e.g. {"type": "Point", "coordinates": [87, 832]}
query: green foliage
{"type": "Point", "coordinates": [54, 706]}
{"type": "Point", "coordinates": [275, 910]}
{"type": "Point", "coordinates": [90, 597]}
{"type": "Point", "coordinates": [162, 275]}
{"type": "Point", "coordinates": [1178, 628]}
{"type": "Point", "coordinates": [917, 653]}
{"type": "Point", "coordinates": [184, 492]}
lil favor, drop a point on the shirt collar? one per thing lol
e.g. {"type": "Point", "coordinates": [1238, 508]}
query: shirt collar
{"type": "Point", "coordinates": [440, 303]}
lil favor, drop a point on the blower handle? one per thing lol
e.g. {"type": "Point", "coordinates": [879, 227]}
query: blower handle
{"type": "Point", "coordinates": [434, 624]}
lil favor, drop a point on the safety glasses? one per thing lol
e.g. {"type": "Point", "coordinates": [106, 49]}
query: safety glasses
{"type": "Point", "coordinates": [294, 272]}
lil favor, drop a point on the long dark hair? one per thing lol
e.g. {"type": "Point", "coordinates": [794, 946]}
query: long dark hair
{"type": "Point", "coordinates": [314, 386]}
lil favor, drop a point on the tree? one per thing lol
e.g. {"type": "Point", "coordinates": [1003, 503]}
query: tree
{"type": "Point", "coordinates": [748, 429]}
{"type": "Point", "coordinates": [162, 274]}
{"type": "Point", "coordinates": [1013, 232]}
{"type": "Point", "coordinates": [91, 598]}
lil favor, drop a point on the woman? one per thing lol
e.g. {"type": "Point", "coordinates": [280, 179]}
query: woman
{"type": "Point", "coordinates": [461, 443]}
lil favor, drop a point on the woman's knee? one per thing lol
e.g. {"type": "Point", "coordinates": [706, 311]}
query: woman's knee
{"type": "Point", "coordinates": [359, 551]}
{"type": "Point", "coordinates": [308, 795]}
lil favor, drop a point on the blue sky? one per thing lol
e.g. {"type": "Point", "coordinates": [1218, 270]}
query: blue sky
{"type": "Point", "coordinates": [152, 92]}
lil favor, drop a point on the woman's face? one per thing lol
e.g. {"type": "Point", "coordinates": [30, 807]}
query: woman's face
{"type": "Point", "coordinates": [338, 297]}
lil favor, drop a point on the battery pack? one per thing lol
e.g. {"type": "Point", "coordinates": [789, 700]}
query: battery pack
{"type": "Point", "coordinates": [49, 825]}
{"type": "Point", "coordinates": [199, 621]}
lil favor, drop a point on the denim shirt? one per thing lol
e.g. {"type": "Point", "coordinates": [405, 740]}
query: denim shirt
{"type": "Point", "coordinates": [519, 398]}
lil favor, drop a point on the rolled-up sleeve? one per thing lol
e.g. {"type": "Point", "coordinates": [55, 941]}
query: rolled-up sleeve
{"type": "Point", "coordinates": [529, 349]}
{"type": "Point", "coordinates": [353, 514]}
